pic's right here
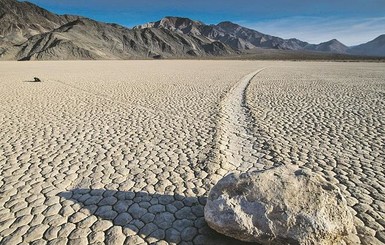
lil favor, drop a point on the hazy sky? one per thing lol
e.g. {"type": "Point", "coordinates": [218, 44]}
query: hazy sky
{"type": "Point", "coordinates": [350, 21]}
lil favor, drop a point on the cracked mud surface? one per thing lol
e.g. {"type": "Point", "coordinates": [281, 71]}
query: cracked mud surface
{"type": "Point", "coordinates": [329, 118]}
{"type": "Point", "coordinates": [124, 152]}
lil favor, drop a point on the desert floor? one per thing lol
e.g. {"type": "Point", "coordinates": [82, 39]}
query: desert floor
{"type": "Point", "coordinates": [125, 152]}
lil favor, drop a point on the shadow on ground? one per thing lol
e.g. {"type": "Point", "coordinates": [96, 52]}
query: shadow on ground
{"type": "Point", "coordinates": [154, 217]}
{"type": "Point", "coordinates": [32, 81]}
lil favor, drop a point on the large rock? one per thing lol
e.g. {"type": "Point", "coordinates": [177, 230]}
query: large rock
{"type": "Point", "coordinates": [283, 205]}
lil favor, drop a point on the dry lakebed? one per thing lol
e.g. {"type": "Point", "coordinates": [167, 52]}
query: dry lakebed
{"type": "Point", "coordinates": [125, 152]}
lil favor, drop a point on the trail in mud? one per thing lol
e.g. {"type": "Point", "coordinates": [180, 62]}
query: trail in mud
{"type": "Point", "coordinates": [239, 145]}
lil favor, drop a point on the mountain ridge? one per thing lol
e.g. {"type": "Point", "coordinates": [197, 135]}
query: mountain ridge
{"type": "Point", "coordinates": [42, 35]}
{"type": "Point", "coordinates": [21, 20]}
{"type": "Point", "coordinates": [375, 47]}
{"type": "Point", "coordinates": [234, 35]}
{"type": "Point", "coordinates": [332, 46]}
{"type": "Point", "coordinates": [107, 41]}
{"type": "Point", "coordinates": [28, 32]}
{"type": "Point", "coordinates": [242, 38]}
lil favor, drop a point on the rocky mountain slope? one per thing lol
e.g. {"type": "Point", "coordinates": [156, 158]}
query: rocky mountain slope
{"type": "Point", "coordinates": [236, 36]}
{"type": "Point", "coordinates": [88, 39]}
{"type": "Point", "coordinates": [21, 20]}
{"type": "Point", "coordinates": [28, 32]}
{"type": "Point", "coordinates": [242, 39]}
{"type": "Point", "coordinates": [376, 47]}
{"type": "Point", "coordinates": [177, 24]}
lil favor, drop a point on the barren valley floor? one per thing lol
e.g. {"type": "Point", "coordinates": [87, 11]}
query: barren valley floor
{"type": "Point", "coordinates": [125, 152]}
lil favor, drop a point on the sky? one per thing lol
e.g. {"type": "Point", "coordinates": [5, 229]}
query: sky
{"type": "Point", "coordinates": [350, 21]}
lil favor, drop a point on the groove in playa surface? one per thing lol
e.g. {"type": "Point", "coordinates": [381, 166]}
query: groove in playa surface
{"type": "Point", "coordinates": [106, 97]}
{"type": "Point", "coordinates": [236, 140]}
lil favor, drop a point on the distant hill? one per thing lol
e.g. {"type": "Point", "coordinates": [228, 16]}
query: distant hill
{"type": "Point", "coordinates": [28, 32]}
{"type": "Point", "coordinates": [332, 46]}
{"type": "Point", "coordinates": [376, 47]}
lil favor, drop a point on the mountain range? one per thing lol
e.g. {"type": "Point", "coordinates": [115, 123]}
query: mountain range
{"type": "Point", "coordinates": [28, 32]}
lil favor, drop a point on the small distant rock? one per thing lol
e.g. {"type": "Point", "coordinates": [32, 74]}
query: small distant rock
{"type": "Point", "coordinates": [283, 205]}
{"type": "Point", "coordinates": [157, 57]}
{"type": "Point", "coordinates": [36, 79]}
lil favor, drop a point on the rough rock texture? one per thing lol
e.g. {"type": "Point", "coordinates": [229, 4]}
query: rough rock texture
{"type": "Point", "coordinates": [88, 39]}
{"type": "Point", "coordinates": [233, 35]}
{"type": "Point", "coordinates": [28, 32]}
{"type": "Point", "coordinates": [280, 205]}
{"type": "Point", "coordinates": [22, 20]}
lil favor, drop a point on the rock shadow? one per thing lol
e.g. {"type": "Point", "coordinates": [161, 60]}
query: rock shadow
{"type": "Point", "coordinates": [154, 217]}
{"type": "Point", "coordinates": [32, 81]}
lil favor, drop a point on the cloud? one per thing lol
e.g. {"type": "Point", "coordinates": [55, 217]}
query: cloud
{"type": "Point", "coordinates": [350, 31]}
